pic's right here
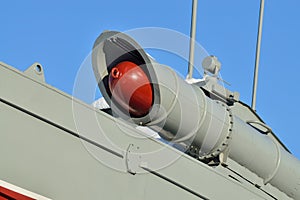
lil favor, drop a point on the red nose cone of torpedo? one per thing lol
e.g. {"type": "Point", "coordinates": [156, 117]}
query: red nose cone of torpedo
{"type": "Point", "coordinates": [131, 88]}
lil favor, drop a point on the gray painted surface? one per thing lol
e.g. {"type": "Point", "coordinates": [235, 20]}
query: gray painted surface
{"type": "Point", "coordinates": [40, 151]}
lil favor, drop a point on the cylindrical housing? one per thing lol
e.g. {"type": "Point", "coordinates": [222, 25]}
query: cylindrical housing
{"type": "Point", "coordinates": [185, 115]}
{"type": "Point", "coordinates": [265, 157]}
{"type": "Point", "coordinates": [191, 117]}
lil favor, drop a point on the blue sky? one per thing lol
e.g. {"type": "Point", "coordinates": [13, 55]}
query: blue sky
{"type": "Point", "coordinates": [60, 34]}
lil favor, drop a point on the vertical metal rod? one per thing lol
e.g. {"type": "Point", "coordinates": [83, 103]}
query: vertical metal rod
{"type": "Point", "coordinates": [258, 44]}
{"type": "Point", "coordinates": [192, 39]}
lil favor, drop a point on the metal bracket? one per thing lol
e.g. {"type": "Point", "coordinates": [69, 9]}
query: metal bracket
{"type": "Point", "coordinates": [278, 160]}
{"type": "Point", "coordinates": [268, 129]}
{"type": "Point", "coordinates": [133, 159]}
{"type": "Point", "coordinates": [35, 72]}
{"type": "Point", "coordinates": [278, 150]}
{"type": "Point", "coordinates": [223, 156]}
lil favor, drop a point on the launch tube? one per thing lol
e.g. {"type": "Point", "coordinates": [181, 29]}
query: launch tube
{"type": "Point", "coordinates": [214, 129]}
{"type": "Point", "coordinates": [182, 113]}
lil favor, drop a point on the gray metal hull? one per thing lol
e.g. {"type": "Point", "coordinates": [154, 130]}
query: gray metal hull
{"type": "Point", "coordinates": [61, 148]}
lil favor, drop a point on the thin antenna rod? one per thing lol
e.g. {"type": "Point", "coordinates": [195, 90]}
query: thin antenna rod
{"type": "Point", "coordinates": [192, 39]}
{"type": "Point", "coordinates": [258, 44]}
